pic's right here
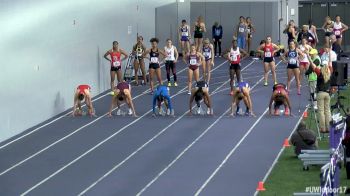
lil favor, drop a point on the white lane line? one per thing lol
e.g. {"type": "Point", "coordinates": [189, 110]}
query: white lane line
{"type": "Point", "coordinates": [180, 155]}
{"type": "Point", "coordinates": [280, 152]}
{"type": "Point", "coordinates": [99, 144]}
{"type": "Point", "coordinates": [60, 117]}
{"type": "Point", "coordinates": [70, 134]}
{"type": "Point", "coordinates": [229, 155]}
{"type": "Point", "coordinates": [188, 147]}
{"type": "Point", "coordinates": [233, 150]}
{"type": "Point", "coordinates": [44, 125]}
{"type": "Point", "coordinates": [149, 141]}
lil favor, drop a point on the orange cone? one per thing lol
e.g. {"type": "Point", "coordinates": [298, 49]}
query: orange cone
{"type": "Point", "coordinates": [260, 186]}
{"type": "Point", "coordinates": [286, 143]}
{"type": "Point", "coordinates": [305, 114]}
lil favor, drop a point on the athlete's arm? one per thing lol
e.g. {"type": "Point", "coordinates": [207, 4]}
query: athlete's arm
{"type": "Point", "coordinates": [112, 105]}
{"type": "Point", "coordinates": [176, 54]}
{"type": "Point", "coordinates": [226, 55]}
{"type": "Point", "coordinates": [243, 52]}
{"type": "Point", "coordinates": [106, 55]}
{"type": "Point", "coordinates": [277, 48]}
{"type": "Point", "coordinates": [260, 48]}
{"type": "Point", "coordinates": [344, 27]}
{"type": "Point", "coordinates": [271, 101]}
{"type": "Point", "coordinates": [288, 103]}
{"type": "Point", "coordinates": [190, 104]}
{"type": "Point", "coordinates": [154, 102]}
{"type": "Point", "coordinates": [233, 104]}
{"type": "Point", "coordinates": [189, 31]}
{"type": "Point", "coordinates": [204, 28]}
{"type": "Point", "coordinates": [144, 55]}
{"type": "Point", "coordinates": [324, 26]}
{"type": "Point", "coordinates": [162, 53]}
{"type": "Point", "coordinates": [123, 52]}
{"type": "Point", "coordinates": [75, 105]}
{"type": "Point", "coordinates": [201, 58]}
{"type": "Point", "coordinates": [283, 57]}
{"type": "Point", "coordinates": [212, 53]}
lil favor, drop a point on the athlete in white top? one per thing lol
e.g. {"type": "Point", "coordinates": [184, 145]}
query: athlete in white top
{"type": "Point", "coordinates": [170, 60]}
{"type": "Point", "coordinates": [338, 29]}
{"type": "Point", "coordinates": [304, 61]}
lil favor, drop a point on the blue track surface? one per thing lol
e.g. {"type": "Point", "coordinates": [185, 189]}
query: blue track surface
{"type": "Point", "coordinates": [154, 156]}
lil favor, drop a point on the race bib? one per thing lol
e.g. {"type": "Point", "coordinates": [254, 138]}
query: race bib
{"type": "Point", "coordinates": [233, 57]}
{"type": "Point", "coordinates": [154, 59]}
{"type": "Point", "coordinates": [241, 30]}
{"type": "Point", "coordinates": [268, 54]}
{"type": "Point", "coordinates": [248, 30]}
{"type": "Point", "coordinates": [337, 32]}
{"type": "Point", "coordinates": [116, 64]}
{"type": "Point", "coordinates": [292, 61]}
{"type": "Point", "coordinates": [193, 61]}
{"type": "Point", "coordinates": [311, 38]}
{"type": "Point", "coordinates": [185, 34]}
{"type": "Point", "coordinates": [206, 54]}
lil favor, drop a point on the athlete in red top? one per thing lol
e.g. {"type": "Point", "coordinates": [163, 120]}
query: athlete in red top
{"type": "Point", "coordinates": [233, 55]}
{"type": "Point", "coordinates": [280, 97]}
{"type": "Point", "coordinates": [268, 49]}
{"type": "Point", "coordinates": [82, 92]}
{"type": "Point", "coordinates": [116, 62]}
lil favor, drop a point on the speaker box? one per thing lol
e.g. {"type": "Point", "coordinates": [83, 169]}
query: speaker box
{"type": "Point", "coordinates": [340, 73]}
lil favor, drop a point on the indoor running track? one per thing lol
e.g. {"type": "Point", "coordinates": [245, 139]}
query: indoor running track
{"type": "Point", "coordinates": [181, 155]}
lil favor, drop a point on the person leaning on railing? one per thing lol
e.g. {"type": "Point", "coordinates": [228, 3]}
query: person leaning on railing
{"type": "Point", "coordinates": [303, 139]}
{"type": "Point", "coordinates": [323, 73]}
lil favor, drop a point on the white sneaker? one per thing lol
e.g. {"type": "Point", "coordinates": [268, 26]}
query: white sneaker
{"type": "Point", "coordinates": [208, 111]}
{"type": "Point", "coordinates": [168, 112]}
{"type": "Point", "coordinates": [118, 112]}
{"type": "Point", "coordinates": [130, 112]}
{"type": "Point", "coordinates": [199, 110]}
{"type": "Point", "coordinates": [189, 93]}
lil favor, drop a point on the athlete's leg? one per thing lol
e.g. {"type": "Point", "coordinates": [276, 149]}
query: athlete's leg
{"type": "Point", "coordinates": [204, 67]}
{"type": "Point", "coordinates": [209, 66]}
{"type": "Point", "coordinates": [232, 79]}
{"type": "Point", "coordinates": [273, 71]}
{"type": "Point", "coordinates": [297, 79]}
{"type": "Point", "coordinates": [136, 70]}
{"type": "Point", "coordinates": [119, 75]}
{"type": "Point", "coordinates": [151, 73]}
{"type": "Point", "coordinates": [159, 76]}
{"type": "Point", "coordinates": [190, 73]}
{"type": "Point", "coordinates": [112, 79]}
{"type": "Point", "coordinates": [266, 70]}
{"type": "Point", "coordinates": [167, 67]}
{"type": "Point", "coordinates": [143, 70]}
{"type": "Point", "coordinates": [289, 77]}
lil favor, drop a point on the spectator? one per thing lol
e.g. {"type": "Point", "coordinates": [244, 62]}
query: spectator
{"type": "Point", "coordinates": [305, 33]}
{"type": "Point", "coordinates": [323, 89]}
{"type": "Point", "coordinates": [217, 36]}
{"type": "Point", "coordinates": [241, 32]}
{"type": "Point", "coordinates": [303, 139]}
{"type": "Point", "coordinates": [335, 45]}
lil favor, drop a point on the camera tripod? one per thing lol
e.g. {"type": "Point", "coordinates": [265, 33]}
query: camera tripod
{"type": "Point", "coordinates": [338, 106]}
{"type": "Point", "coordinates": [314, 114]}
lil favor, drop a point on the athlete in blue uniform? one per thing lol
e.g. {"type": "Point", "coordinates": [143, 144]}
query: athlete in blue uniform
{"type": "Point", "coordinates": [242, 92]}
{"type": "Point", "coordinates": [162, 94]}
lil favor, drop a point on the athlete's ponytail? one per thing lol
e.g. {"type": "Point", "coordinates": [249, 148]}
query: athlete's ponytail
{"type": "Point", "coordinates": [198, 96]}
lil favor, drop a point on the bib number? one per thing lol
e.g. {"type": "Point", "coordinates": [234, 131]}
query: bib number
{"type": "Point", "coordinates": [268, 54]}
{"type": "Point", "coordinates": [234, 58]}
{"type": "Point", "coordinates": [206, 54]}
{"type": "Point", "coordinates": [337, 32]}
{"type": "Point", "coordinates": [241, 30]}
{"type": "Point", "coordinates": [292, 61]}
{"type": "Point", "coordinates": [116, 64]}
{"type": "Point", "coordinates": [193, 61]}
{"type": "Point", "coordinates": [185, 34]}
{"type": "Point", "coordinates": [154, 59]}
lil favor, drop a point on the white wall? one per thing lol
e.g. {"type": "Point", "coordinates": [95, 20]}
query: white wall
{"type": "Point", "coordinates": [44, 55]}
